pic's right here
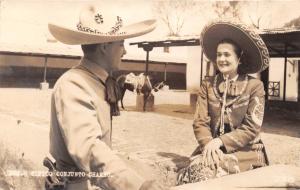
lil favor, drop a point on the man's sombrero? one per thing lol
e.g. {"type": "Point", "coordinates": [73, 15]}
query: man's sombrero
{"type": "Point", "coordinates": [99, 26]}
{"type": "Point", "coordinates": [255, 56]}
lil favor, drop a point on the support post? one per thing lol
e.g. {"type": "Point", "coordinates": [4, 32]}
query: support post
{"type": "Point", "coordinates": [45, 69]}
{"type": "Point", "coordinates": [147, 63]}
{"type": "Point", "coordinates": [45, 85]}
{"type": "Point", "coordinates": [147, 49]}
{"type": "Point", "coordinates": [298, 63]}
{"type": "Point", "coordinates": [284, 74]}
{"type": "Point", "coordinates": [165, 73]}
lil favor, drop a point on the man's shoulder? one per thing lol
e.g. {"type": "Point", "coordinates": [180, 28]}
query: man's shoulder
{"type": "Point", "coordinates": [72, 77]}
{"type": "Point", "coordinates": [68, 76]}
{"type": "Point", "coordinates": [80, 80]}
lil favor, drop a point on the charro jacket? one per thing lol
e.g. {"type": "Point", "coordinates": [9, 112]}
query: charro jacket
{"type": "Point", "coordinates": [243, 115]}
{"type": "Point", "coordinates": [80, 133]}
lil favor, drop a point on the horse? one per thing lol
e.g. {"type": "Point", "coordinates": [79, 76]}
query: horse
{"type": "Point", "coordinates": [158, 86]}
{"type": "Point", "coordinates": [140, 83]}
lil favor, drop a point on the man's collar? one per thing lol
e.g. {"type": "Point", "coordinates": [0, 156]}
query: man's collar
{"type": "Point", "coordinates": [94, 68]}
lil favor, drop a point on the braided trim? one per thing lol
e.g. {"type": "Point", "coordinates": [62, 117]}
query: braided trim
{"type": "Point", "coordinates": [259, 43]}
{"type": "Point", "coordinates": [216, 127]}
{"type": "Point", "coordinates": [234, 106]}
{"type": "Point", "coordinates": [203, 138]}
{"type": "Point", "coordinates": [245, 82]}
{"type": "Point", "coordinates": [252, 35]}
{"type": "Point", "coordinates": [244, 97]}
{"type": "Point", "coordinates": [215, 104]}
{"type": "Point", "coordinates": [99, 20]}
{"type": "Point", "coordinates": [235, 140]}
{"type": "Point", "coordinates": [228, 113]}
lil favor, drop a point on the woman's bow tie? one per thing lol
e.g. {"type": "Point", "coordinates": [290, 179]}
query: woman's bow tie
{"type": "Point", "coordinates": [232, 88]}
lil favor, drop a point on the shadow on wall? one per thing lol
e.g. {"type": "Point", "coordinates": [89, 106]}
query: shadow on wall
{"type": "Point", "coordinates": [31, 77]}
{"type": "Point", "coordinates": [28, 77]}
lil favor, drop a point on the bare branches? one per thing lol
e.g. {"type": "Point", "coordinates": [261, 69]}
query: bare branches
{"type": "Point", "coordinates": [293, 23]}
{"type": "Point", "coordinates": [174, 13]}
{"type": "Point", "coordinates": [227, 9]}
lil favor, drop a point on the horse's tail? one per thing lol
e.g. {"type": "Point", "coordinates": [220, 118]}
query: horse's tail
{"type": "Point", "coordinates": [121, 77]}
{"type": "Point", "coordinates": [148, 82]}
{"type": "Point", "coordinates": [159, 86]}
{"type": "Point", "coordinates": [121, 80]}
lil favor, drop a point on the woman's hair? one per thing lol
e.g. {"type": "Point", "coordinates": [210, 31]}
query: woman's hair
{"type": "Point", "coordinates": [239, 52]}
{"type": "Point", "coordinates": [237, 48]}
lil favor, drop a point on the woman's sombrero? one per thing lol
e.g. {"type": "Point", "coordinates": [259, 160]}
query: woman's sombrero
{"type": "Point", "coordinates": [255, 56]}
{"type": "Point", "coordinates": [99, 26]}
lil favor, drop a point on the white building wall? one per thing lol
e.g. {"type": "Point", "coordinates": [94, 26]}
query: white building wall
{"type": "Point", "coordinates": [193, 68]}
{"type": "Point", "coordinates": [292, 80]}
{"type": "Point", "coordinates": [276, 74]}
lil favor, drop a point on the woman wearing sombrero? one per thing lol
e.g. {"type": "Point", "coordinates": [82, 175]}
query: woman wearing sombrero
{"type": "Point", "coordinates": [230, 105]}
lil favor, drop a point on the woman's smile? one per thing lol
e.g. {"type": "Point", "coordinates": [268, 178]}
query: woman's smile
{"type": "Point", "coordinates": [227, 59]}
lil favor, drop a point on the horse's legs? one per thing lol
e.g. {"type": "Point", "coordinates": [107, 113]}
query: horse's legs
{"type": "Point", "coordinates": [138, 90]}
{"type": "Point", "coordinates": [123, 93]}
{"type": "Point", "coordinates": [146, 95]}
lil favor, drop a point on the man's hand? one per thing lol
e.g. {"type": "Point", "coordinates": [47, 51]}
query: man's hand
{"type": "Point", "coordinates": [152, 185]}
{"type": "Point", "coordinates": [212, 155]}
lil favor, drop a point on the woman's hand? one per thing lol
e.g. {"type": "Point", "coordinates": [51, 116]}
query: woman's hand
{"type": "Point", "coordinates": [212, 154]}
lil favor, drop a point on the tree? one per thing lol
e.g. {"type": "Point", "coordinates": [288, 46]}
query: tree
{"type": "Point", "coordinates": [174, 13]}
{"type": "Point", "coordinates": [293, 23]}
{"type": "Point", "coordinates": [227, 9]}
{"type": "Point", "coordinates": [258, 11]}
{"type": "Point", "coordinates": [252, 12]}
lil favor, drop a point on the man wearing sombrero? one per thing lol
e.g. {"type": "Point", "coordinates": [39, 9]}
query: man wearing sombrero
{"type": "Point", "coordinates": [230, 105]}
{"type": "Point", "coordinates": [84, 100]}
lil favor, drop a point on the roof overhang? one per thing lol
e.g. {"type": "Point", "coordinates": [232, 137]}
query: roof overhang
{"type": "Point", "coordinates": [280, 42]}
{"type": "Point", "coordinates": [168, 42]}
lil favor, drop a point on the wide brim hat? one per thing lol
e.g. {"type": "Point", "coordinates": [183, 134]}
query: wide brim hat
{"type": "Point", "coordinates": [99, 26]}
{"type": "Point", "coordinates": [255, 57]}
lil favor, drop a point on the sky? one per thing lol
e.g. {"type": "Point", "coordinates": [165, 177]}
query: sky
{"type": "Point", "coordinates": [25, 21]}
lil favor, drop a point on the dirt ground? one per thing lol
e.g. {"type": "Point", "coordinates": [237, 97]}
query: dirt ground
{"type": "Point", "coordinates": [162, 138]}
